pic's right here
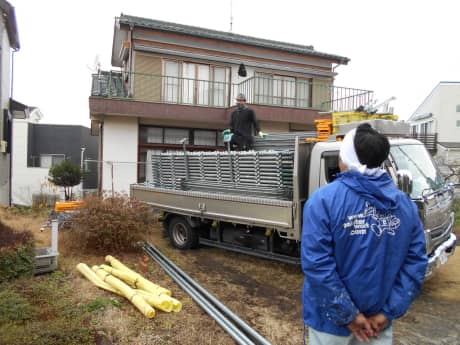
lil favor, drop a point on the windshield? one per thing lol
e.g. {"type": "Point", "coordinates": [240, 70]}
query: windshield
{"type": "Point", "coordinates": [417, 160]}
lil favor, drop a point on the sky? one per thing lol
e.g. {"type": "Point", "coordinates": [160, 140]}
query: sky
{"type": "Point", "coordinates": [396, 48]}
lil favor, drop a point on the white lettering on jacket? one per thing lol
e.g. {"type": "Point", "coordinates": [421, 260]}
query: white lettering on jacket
{"type": "Point", "coordinates": [384, 222]}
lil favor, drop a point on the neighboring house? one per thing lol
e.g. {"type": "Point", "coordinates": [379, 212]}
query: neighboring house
{"type": "Point", "coordinates": [178, 81]}
{"type": "Point", "coordinates": [9, 43]}
{"type": "Point", "coordinates": [37, 147]}
{"type": "Point", "coordinates": [439, 114]}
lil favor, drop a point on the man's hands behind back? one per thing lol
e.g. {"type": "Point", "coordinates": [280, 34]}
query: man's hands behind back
{"type": "Point", "coordinates": [364, 328]}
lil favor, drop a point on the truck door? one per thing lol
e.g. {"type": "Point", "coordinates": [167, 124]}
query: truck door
{"type": "Point", "coordinates": [329, 167]}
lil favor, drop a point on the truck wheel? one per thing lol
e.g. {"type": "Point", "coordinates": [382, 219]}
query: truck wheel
{"type": "Point", "coordinates": [181, 234]}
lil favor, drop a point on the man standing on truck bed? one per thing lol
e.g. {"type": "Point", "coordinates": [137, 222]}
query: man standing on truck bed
{"type": "Point", "coordinates": [363, 248]}
{"type": "Point", "coordinates": [243, 125]}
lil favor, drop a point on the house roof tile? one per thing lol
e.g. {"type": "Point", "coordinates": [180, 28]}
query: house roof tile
{"type": "Point", "coordinates": [226, 36]}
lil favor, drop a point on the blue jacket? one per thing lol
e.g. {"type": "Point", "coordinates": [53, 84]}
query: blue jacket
{"type": "Point", "coordinates": [363, 250]}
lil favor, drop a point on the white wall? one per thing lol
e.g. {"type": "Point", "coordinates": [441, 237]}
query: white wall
{"type": "Point", "coordinates": [442, 103]}
{"type": "Point", "coordinates": [26, 181]}
{"type": "Point", "coordinates": [119, 145]}
{"type": "Point", "coordinates": [448, 156]}
{"type": "Point", "coordinates": [449, 99]}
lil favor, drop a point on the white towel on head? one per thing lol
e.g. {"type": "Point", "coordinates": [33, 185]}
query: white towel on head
{"type": "Point", "coordinates": [350, 159]}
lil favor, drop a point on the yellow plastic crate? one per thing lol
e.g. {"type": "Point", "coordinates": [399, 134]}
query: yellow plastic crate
{"type": "Point", "coordinates": [384, 117]}
{"type": "Point", "coordinates": [348, 116]}
{"type": "Point", "coordinates": [339, 118]}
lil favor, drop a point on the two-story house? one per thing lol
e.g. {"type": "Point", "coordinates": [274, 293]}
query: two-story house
{"type": "Point", "coordinates": [179, 82]}
{"type": "Point", "coordinates": [439, 114]}
{"type": "Point", "coordinates": [9, 43]}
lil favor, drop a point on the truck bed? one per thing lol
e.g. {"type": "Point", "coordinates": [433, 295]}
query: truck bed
{"type": "Point", "coordinates": [248, 210]}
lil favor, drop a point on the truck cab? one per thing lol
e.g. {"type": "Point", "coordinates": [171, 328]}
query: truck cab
{"type": "Point", "coordinates": [426, 188]}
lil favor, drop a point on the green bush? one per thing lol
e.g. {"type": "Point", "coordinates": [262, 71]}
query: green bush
{"type": "Point", "coordinates": [41, 311]}
{"type": "Point", "coordinates": [47, 332]}
{"type": "Point", "coordinates": [100, 303]}
{"type": "Point", "coordinates": [112, 224]}
{"type": "Point", "coordinates": [14, 307]}
{"type": "Point", "coordinates": [66, 174]}
{"type": "Point", "coordinates": [17, 253]}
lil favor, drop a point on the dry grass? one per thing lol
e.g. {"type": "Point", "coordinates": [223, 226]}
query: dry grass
{"type": "Point", "coordinates": [24, 219]}
{"type": "Point", "coordinates": [266, 294]}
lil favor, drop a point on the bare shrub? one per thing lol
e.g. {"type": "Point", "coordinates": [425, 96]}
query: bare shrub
{"type": "Point", "coordinates": [116, 223]}
{"type": "Point", "coordinates": [17, 253]}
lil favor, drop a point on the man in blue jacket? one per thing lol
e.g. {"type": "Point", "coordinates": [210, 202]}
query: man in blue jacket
{"type": "Point", "coordinates": [363, 248]}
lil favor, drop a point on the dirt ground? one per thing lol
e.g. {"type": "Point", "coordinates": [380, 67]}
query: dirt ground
{"type": "Point", "coordinates": [268, 296]}
{"type": "Point", "coordinates": [265, 294]}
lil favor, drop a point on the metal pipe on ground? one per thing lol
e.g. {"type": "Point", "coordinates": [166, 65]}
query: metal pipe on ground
{"type": "Point", "coordinates": [225, 323]}
{"type": "Point", "coordinates": [253, 334]}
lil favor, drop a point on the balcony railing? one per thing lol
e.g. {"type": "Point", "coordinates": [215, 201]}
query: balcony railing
{"type": "Point", "coordinates": [287, 92]}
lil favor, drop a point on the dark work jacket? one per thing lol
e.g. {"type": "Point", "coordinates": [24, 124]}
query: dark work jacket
{"type": "Point", "coordinates": [244, 122]}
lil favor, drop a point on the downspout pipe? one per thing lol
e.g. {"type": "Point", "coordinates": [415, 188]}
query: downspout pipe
{"type": "Point", "coordinates": [10, 185]}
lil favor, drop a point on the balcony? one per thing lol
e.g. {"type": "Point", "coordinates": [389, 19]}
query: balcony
{"type": "Point", "coordinates": [266, 91]}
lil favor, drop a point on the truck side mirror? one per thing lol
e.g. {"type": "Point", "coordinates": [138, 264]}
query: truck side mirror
{"type": "Point", "coordinates": [405, 181]}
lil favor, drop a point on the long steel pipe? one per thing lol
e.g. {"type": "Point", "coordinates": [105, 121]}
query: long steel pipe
{"type": "Point", "coordinates": [243, 325]}
{"type": "Point", "coordinates": [225, 323]}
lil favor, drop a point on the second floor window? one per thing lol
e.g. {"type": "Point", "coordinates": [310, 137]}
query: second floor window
{"type": "Point", "coordinates": [282, 90]}
{"type": "Point", "coordinates": [196, 84]}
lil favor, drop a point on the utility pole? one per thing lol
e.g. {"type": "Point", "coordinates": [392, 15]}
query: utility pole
{"type": "Point", "coordinates": [82, 156]}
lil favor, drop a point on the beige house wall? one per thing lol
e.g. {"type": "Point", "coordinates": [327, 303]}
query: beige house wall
{"type": "Point", "coordinates": [147, 77]}
{"type": "Point", "coordinates": [321, 93]}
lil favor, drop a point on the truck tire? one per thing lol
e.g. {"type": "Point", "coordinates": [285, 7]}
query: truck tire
{"type": "Point", "coordinates": [181, 234]}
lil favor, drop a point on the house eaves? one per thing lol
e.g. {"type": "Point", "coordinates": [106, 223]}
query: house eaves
{"type": "Point", "coordinates": [419, 117]}
{"type": "Point", "coordinates": [9, 17]}
{"type": "Point", "coordinates": [18, 109]}
{"type": "Point", "coordinates": [441, 83]}
{"type": "Point", "coordinates": [226, 36]}
{"type": "Point", "coordinates": [229, 60]}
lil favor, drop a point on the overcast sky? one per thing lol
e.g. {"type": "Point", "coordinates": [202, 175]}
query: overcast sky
{"type": "Point", "coordinates": [397, 48]}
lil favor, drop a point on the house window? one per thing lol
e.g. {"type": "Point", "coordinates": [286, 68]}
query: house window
{"type": "Point", "coordinates": [282, 90]}
{"type": "Point", "coordinates": [159, 135]}
{"type": "Point", "coordinates": [207, 138]}
{"type": "Point", "coordinates": [48, 161]}
{"type": "Point", "coordinates": [458, 123]}
{"type": "Point", "coordinates": [175, 135]}
{"type": "Point", "coordinates": [458, 108]}
{"type": "Point", "coordinates": [303, 93]}
{"type": "Point", "coordinates": [171, 82]}
{"type": "Point", "coordinates": [154, 135]}
{"type": "Point", "coordinates": [220, 86]}
{"type": "Point", "coordinates": [264, 89]}
{"type": "Point", "coordinates": [196, 84]}
{"type": "Point", "coordinates": [424, 128]}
